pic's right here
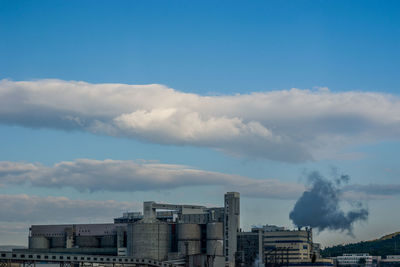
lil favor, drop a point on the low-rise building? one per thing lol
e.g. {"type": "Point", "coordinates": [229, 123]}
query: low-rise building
{"type": "Point", "coordinates": [390, 261]}
{"type": "Point", "coordinates": [358, 259]}
{"type": "Point", "coordinates": [276, 246]}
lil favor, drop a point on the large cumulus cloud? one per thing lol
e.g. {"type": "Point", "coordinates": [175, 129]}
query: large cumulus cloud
{"type": "Point", "coordinates": [289, 125]}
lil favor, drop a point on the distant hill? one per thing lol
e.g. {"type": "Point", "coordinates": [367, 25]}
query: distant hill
{"type": "Point", "coordinates": [386, 245]}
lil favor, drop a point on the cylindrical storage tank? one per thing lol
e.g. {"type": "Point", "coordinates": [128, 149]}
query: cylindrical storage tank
{"type": "Point", "coordinates": [38, 242]}
{"type": "Point", "coordinates": [215, 235]}
{"type": "Point", "coordinates": [58, 242]}
{"type": "Point", "coordinates": [189, 238]}
{"type": "Point", "coordinates": [87, 242]}
{"type": "Point", "coordinates": [150, 240]}
{"type": "Point", "coordinates": [108, 241]}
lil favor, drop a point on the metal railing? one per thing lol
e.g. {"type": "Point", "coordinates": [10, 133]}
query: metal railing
{"type": "Point", "coordinates": [26, 258]}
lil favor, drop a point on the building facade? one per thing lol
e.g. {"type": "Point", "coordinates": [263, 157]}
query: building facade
{"type": "Point", "coordinates": [360, 259]}
{"type": "Point", "coordinates": [390, 261]}
{"type": "Point", "coordinates": [231, 226]}
{"type": "Point", "coordinates": [276, 246]}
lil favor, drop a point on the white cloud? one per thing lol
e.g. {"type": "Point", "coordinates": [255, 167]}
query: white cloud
{"type": "Point", "coordinates": [131, 176]}
{"type": "Point", "coordinates": [288, 125]}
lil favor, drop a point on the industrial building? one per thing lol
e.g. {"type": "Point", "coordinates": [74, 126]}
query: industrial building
{"type": "Point", "coordinates": [355, 259]}
{"type": "Point", "coordinates": [276, 246]}
{"type": "Point", "coordinates": [365, 260]}
{"type": "Point", "coordinates": [176, 234]}
{"type": "Point", "coordinates": [163, 232]}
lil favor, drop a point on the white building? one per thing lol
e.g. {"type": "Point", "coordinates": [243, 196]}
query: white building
{"type": "Point", "coordinates": [390, 261]}
{"type": "Point", "coordinates": [393, 257]}
{"type": "Point", "coordinates": [278, 246]}
{"type": "Point", "coordinates": [355, 259]}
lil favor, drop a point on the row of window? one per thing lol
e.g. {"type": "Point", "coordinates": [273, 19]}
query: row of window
{"type": "Point", "coordinates": [48, 234]}
{"type": "Point", "coordinates": [286, 236]}
{"type": "Point", "coordinates": [81, 258]}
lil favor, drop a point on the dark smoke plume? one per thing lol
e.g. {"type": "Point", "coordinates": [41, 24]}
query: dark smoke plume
{"type": "Point", "coordinates": [319, 207]}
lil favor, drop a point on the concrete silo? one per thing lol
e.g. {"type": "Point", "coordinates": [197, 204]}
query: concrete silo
{"type": "Point", "coordinates": [215, 235]}
{"type": "Point", "coordinates": [189, 238]}
{"type": "Point", "coordinates": [148, 239]}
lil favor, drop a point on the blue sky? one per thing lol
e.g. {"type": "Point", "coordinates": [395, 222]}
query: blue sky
{"type": "Point", "coordinates": [230, 64]}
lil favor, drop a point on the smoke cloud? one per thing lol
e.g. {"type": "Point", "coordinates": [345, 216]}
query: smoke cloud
{"type": "Point", "coordinates": [319, 207]}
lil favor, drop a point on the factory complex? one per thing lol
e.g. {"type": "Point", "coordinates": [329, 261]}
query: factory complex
{"type": "Point", "coordinates": [182, 235]}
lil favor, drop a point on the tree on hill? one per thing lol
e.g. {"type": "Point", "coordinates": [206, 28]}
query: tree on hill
{"type": "Point", "coordinates": [380, 247]}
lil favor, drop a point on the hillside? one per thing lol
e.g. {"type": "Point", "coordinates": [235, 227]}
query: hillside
{"type": "Point", "coordinates": [386, 245]}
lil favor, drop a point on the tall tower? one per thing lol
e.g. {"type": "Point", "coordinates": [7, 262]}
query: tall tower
{"type": "Point", "coordinates": [231, 226]}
